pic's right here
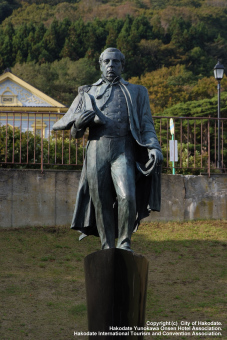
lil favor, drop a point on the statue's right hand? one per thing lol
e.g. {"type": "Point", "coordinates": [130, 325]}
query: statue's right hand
{"type": "Point", "coordinates": [84, 119]}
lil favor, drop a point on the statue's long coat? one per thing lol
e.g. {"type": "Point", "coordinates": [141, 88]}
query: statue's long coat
{"type": "Point", "coordinates": [148, 188]}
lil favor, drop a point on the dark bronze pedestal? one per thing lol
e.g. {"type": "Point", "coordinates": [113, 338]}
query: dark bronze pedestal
{"type": "Point", "coordinates": [116, 284]}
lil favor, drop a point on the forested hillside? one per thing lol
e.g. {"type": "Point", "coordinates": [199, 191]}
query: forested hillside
{"type": "Point", "coordinates": [171, 46]}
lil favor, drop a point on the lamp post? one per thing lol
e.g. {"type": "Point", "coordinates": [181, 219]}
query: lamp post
{"type": "Point", "coordinates": [218, 74]}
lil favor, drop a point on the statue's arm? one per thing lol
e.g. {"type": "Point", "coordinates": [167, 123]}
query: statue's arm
{"type": "Point", "coordinates": [79, 115]}
{"type": "Point", "coordinates": [148, 131]}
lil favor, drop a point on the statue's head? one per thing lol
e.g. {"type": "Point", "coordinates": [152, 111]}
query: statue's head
{"type": "Point", "coordinates": [112, 63]}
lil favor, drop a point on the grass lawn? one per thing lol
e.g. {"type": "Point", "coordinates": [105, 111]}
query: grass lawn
{"type": "Point", "coordinates": [42, 291]}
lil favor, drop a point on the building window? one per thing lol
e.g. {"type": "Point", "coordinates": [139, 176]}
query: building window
{"type": "Point", "coordinates": [7, 100]}
{"type": "Point", "coordinates": [39, 128]}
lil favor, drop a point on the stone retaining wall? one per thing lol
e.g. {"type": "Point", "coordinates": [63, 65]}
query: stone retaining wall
{"type": "Point", "coordinates": [32, 198]}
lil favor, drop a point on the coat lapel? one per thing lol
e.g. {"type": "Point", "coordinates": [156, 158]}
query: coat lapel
{"type": "Point", "coordinates": [132, 111]}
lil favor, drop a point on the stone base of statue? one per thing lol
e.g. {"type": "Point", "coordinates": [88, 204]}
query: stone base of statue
{"type": "Point", "coordinates": [116, 285]}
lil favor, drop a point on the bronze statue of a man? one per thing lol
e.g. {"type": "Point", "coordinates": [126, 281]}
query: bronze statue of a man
{"type": "Point", "coordinates": [120, 181]}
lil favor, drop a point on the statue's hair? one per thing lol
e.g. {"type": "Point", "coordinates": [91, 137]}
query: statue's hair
{"type": "Point", "coordinates": [113, 49]}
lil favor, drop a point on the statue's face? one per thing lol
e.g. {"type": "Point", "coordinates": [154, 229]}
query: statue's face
{"type": "Point", "coordinates": [111, 65]}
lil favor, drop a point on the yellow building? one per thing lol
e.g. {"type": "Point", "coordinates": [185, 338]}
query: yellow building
{"type": "Point", "coordinates": [25, 107]}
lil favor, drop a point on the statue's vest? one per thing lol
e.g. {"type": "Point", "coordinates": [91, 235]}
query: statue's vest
{"type": "Point", "coordinates": [116, 118]}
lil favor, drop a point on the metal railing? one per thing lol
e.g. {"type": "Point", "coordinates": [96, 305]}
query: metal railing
{"type": "Point", "coordinates": [27, 141]}
{"type": "Point", "coordinates": [197, 143]}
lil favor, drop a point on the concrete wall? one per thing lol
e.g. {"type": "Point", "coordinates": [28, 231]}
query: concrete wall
{"type": "Point", "coordinates": [192, 197]}
{"type": "Point", "coordinates": [30, 198]}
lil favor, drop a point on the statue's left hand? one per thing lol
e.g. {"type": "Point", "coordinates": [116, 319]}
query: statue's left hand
{"type": "Point", "coordinates": [84, 119]}
{"type": "Point", "coordinates": [157, 155]}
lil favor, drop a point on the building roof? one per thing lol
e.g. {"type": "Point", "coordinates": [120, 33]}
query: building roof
{"type": "Point", "coordinates": [16, 94]}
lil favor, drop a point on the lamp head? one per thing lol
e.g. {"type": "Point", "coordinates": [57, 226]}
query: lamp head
{"type": "Point", "coordinates": [219, 71]}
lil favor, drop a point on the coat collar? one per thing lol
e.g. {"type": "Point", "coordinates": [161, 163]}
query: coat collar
{"type": "Point", "coordinates": [100, 81]}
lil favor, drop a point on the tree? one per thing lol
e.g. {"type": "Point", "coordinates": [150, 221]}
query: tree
{"type": "Point", "coordinates": [166, 86]}
{"type": "Point", "coordinates": [59, 79]}
{"type": "Point", "coordinates": [75, 45]}
{"type": "Point", "coordinates": [21, 42]}
{"type": "Point", "coordinates": [198, 108]}
{"type": "Point", "coordinates": [5, 10]}
{"type": "Point", "coordinates": [52, 42]}
{"type": "Point", "coordinates": [113, 27]}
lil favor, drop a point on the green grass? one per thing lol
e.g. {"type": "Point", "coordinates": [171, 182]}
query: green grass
{"type": "Point", "coordinates": [42, 290]}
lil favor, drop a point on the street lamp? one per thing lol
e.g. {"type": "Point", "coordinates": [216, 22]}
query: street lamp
{"type": "Point", "coordinates": [218, 74]}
